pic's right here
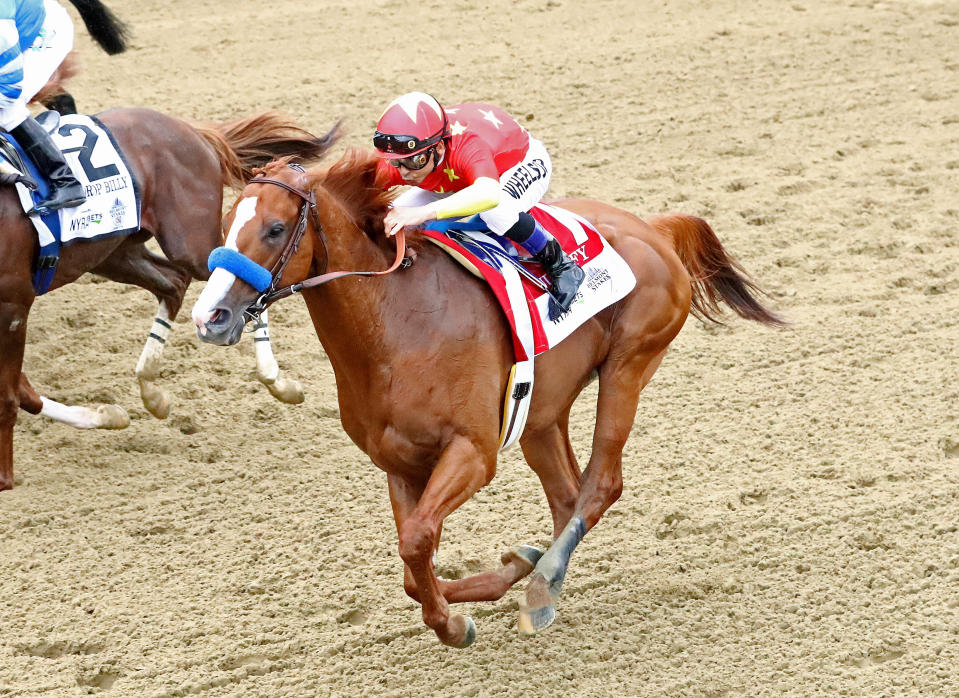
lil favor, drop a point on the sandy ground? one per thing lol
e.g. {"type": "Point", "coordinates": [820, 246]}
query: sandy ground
{"type": "Point", "coordinates": [789, 520]}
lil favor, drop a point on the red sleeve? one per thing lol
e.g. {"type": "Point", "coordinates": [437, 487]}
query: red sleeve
{"type": "Point", "coordinates": [472, 158]}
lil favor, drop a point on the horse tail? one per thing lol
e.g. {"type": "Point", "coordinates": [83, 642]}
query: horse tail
{"type": "Point", "coordinates": [253, 141]}
{"type": "Point", "coordinates": [104, 26]}
{"type": "Point", "coordinates": [715, 276]}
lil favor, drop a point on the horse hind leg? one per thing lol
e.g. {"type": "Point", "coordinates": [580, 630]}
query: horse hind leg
{"type": "Point", "coordinates": [550, 454]}
{"type": "Point", "coordinates": [268, 370]}
{"type": "Point", "coordinates": [13, 337]}
{"type": "Point", "coordinates": [602, 482]}
{"type": "Point", "coordinates": [101, 417]}
{"type": "Point", "coordinates": [491, 585]}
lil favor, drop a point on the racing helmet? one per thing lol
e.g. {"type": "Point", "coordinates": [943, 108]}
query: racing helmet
{"type": "Point", "coordinates": [412, 123]}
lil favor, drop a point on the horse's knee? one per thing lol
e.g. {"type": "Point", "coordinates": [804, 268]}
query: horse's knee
{"type": "Point", "coordinates": [416, 542]}
{"type": "Point", "coordinates": [9, 404]}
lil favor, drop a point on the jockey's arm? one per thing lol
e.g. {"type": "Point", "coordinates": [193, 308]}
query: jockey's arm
{"type": "Point", "coordinates": [481, 195]}
{"type": "Point", "coordinates": [11, 63]}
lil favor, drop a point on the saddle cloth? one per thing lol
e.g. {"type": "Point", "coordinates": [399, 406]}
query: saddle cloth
{"type": "Point", "coordinates": [113, 195]}
{"type": "Point", "coordinates": [608, 277]}
{"type": "Point", "coordinates": [522, 292]}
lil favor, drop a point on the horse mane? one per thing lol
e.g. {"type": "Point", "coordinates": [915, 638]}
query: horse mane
{"type": "Point", "coordinates": [246, 144]}
{"type": "Point", "coordinates": [353, 182]}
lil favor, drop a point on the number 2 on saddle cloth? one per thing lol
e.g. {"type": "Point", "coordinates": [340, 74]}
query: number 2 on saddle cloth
{"type": "Point", "coordinates": [113, 197]}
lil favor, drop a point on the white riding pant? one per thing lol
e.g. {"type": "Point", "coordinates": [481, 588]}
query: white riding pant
{"type": "Point", "coordinates": [522, 187]}
{"type": "Point", "coordinates": [40, 61]}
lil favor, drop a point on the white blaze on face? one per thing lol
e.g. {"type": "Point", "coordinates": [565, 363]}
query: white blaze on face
{"type": "Point", "coordinates": [221, 280]}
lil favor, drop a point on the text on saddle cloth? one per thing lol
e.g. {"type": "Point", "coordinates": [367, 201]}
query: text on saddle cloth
{"type": "Point", "coordinates": [113, 196]}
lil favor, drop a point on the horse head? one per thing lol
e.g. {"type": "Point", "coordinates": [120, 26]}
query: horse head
{"type": "Point", "coordinates": [266, 249]}
{"type": "Point", "coordinates": [268, 254]}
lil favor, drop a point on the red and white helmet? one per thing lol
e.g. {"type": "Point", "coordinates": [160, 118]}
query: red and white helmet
{"type": "Point", "coordinates": [411, 124]}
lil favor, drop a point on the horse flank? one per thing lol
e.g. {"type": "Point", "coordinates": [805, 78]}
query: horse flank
{"type": "Point", "coordinates": [714, 275]}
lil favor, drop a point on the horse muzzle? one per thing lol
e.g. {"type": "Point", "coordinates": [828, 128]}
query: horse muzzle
{"type": "Point", "coordinates": [223, 327]}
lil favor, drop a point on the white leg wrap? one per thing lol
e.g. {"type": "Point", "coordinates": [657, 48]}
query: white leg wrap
{"type": "Point", "coordinates": [267, 369]}
{"type": "Point", "coordinates": [155, 399]}
{"type": "Point", "coordinates": [104, 417]}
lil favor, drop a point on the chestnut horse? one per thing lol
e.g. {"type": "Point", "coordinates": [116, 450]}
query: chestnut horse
{"type": "Point", "coordinates": [181, 170]}
{"type": "Point", "coordinates": [422, 356]}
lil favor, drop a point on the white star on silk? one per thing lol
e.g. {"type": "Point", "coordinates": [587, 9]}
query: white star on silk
{"type": "Point", "coordinates": [491, 117]}
{"type": "Point", "coordinates": [457, 128]}
{"type": "Point", "coordinates": [410, 103]}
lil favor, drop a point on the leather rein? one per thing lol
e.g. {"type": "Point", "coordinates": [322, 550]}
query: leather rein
{"type": "Point", "coordinates": [308, 210]}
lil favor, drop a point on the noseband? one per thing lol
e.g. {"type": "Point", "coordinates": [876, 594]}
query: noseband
{"type": "Point", "coordinates": [239, 264]}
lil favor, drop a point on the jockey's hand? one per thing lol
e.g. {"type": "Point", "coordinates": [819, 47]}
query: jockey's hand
{"type": "Point", "coordinates": [406, 216]}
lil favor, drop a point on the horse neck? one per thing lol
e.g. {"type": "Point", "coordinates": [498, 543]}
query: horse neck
{"type": "Point", "coordinates": [348, 312]}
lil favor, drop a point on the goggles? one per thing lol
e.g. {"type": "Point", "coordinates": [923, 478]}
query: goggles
{"type": "Point", "coordinates": [414, 162]}
{"type": "Point", "coordinates": [400, 146]}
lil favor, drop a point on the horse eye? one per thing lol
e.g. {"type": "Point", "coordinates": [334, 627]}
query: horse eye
{"type": "Point", "coordinates": [276, 230]}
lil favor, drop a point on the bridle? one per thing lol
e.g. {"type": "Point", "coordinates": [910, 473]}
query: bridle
{"type": "Point", "coordinates": [308, 210]}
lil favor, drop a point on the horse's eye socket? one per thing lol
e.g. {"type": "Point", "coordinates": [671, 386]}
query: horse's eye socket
{"type": "Point", "coordinates": [276, 230]}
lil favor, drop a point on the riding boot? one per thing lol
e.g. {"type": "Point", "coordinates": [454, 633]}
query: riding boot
{"type": "Point", "coordinates": [65, 190]}
{"type": "Point", "coordinates": [564, 276]}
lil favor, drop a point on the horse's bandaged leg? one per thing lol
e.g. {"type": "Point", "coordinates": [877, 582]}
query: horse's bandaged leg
{"type": "Point", "coordinates": [155, 399]}
{"type": "Point", "coordinates": [538, 611]}
{"type": "Point", "coordinates": [104, 417]}
{"type": "Point", "coordinates": [268, 370]}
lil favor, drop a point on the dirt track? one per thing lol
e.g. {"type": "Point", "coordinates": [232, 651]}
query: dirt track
{"type": "Point", "coordinates": [789, 520]}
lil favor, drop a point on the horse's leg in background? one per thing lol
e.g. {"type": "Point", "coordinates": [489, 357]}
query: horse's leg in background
{"type": "Point", "coordinates": [103, 417]}
{"type": "Point", "coordinates": [550, 454]}
{"type": "Point", "coordinates": [13, 337]}
{"type": "Point", "coordinates": [484, 586]}
{"type": "Point", "coordinates": [268, 370]}
{"type": "Point", "coordinates": [462, 469]}
{"type": "Point", "coordinates": [620, 382]}
{"type": "Point", "coordinates": [133, 263]}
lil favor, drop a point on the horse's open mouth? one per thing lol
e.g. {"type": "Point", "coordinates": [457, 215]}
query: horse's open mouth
{"type": "Point", "coordinates": [222, 328]}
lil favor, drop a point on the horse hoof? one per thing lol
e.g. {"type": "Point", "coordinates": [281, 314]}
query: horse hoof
{"type": "Point", "coordinates": [286, 390]}
{"type": "Point", "coordinates": [155, 399]}
{"type": "Point", "coordinates": [527, 554]}
{"type": "Point", "coordinates": [537, 613]}
{"type": "Point", "coordinates": [470, 635]}
{"type": "Point", "coordinates": [532, 620]}
{"type": "Point", "coordinates": [112, 417]}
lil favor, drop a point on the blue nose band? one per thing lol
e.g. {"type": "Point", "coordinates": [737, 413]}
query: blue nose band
{"type": "Point", "coordinates": [240, 266]}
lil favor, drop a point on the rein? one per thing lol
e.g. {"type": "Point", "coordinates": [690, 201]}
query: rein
{"type": "Point", "coordinates": [307, 208]}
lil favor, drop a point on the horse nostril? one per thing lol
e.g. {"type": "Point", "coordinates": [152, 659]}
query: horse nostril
{"type": "Point", "coordinates": [220, 317]}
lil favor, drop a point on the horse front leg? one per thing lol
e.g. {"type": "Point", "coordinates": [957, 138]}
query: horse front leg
{"type": "Point", "coordinates": [461, 470]}
{"type": "Point", "coordinates": [268, 370]}
{"type": "Point", "coordinates": [13, 336]}
{"type": "Point", "coordinates": [602, 483]}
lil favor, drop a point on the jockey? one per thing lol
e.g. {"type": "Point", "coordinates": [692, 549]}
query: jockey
{"type": "Point", "coordinates": [481, 162]}
{"type": "Point", "coordinates": [35, 37]}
